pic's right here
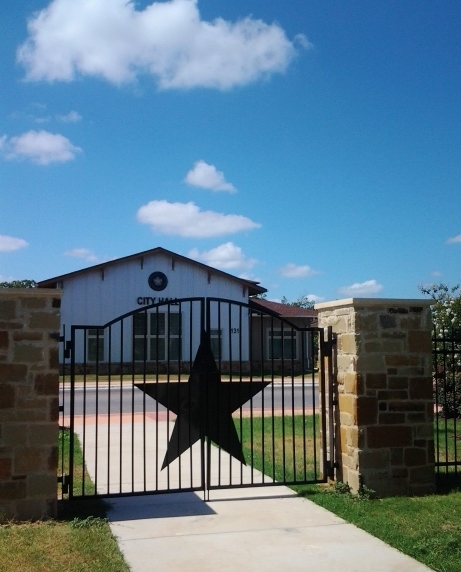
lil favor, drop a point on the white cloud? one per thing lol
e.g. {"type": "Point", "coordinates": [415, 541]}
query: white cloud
{"type": "Point", "coordinates": [42, 120]}
{"type": "Point", "coordinates": [436, 273]}
{"type": "Point", "coordinates": [315, 298]}
{"type": "Point", "coordinates": [10, 243]}
{"type": "Point", "coordinates": [40, 147]}
{"type": "Point", "coordinates": [83, 253]}
{"type": "Point", "coordinates": [87, 255]}
{"type": "Point", "coordinates": [454, 239]}
{"type": "Point", "coordinates": [71, 117]}
{"type": "Point", "coordinates": [226, 256]}
{"type": "Point", "coordinates": [186, 219]}
{"type": "Point", "coordinates": [208, 177]}
{"type": "Point", "coordinates": [291, 270]}
{"type": "Point", "coordinates": [367, 288]}
{"type": "Point", "coordinates": [113, 40]}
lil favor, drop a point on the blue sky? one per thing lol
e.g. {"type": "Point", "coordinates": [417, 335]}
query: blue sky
{"type": "Point", "coordinates": [314, 146]}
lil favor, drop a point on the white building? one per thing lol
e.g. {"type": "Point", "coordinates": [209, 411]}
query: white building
{"type": "Point", "coordinates": [151, 308]}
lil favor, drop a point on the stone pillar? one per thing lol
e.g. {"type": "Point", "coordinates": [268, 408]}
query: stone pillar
{"type": "Point", "coordinates": [29, 408]}
{"type": "Point", "coordinates": [384, 416]}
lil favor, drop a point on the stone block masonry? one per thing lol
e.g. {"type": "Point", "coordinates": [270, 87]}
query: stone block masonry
{"type": "Point", "coordinates": [384, 429]}
{"type": "Point", "coordinates": [29, 384]}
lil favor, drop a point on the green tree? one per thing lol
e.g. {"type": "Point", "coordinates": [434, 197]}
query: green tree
{"type": "Point", "coordinates": [19, 284]}
{"type": "Point", "coordinates": [446, 309]}
{"type": "Point", "coordinates": [301, 302]}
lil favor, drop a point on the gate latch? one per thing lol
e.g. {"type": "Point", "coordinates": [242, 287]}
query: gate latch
{"type": "Point", "coordinates": [67, 349]}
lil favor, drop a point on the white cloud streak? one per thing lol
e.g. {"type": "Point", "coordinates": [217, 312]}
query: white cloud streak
{"type": "Point", "coordinates": [367, 288]}
{"type": "Point", "coordinates": [10, 243]}
{"type": "Point", "coordinates": [187, 220]}
{"type": "Point", "coordinates": [227, 256]}
{"type": "Point", "coordinates": [454, 239]}
{"type": "Point", "coordinates": [169, 40]}
{"type": "Point", "coordinates": [83, 253]}
{"type": "Point", "coordinates": [41, 147]}
{"type": "Point", "coordinates": [291, 270]}
{"type": "Point", "coordinates": [208, 177]}
{"type": "Point", "coordinates": [71, 117]}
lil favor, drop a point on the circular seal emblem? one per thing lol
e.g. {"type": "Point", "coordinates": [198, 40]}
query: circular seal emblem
{"type": "Point", "coordinates": [158, 281]}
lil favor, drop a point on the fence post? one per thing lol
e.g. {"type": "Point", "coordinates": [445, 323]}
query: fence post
{"type": "Point", "coordinates": [384, 416]}
{"type": "Point", "coordinates": [29, 408]}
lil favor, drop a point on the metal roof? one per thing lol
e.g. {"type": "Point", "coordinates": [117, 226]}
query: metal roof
{"type": "Point", "coordinates": [285, 310]}
{"type": "Point", "coordinates": [253, 287]}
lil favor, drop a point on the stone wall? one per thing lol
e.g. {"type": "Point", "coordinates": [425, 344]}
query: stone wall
{"type": "Point", "coordinates": [384, 416]}
{"type": "Point", "coordinates": [29, 409]}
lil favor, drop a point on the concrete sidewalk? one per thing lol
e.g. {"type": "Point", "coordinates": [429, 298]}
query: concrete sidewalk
{"type": "Point", "coordinates": [244, 529]}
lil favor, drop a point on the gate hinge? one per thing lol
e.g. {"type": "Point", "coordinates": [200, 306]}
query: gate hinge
{"type": "Point", "coordinates": [328, 345]}
{"type": "Point", "coordinates": [67, 349]}
{"type": "Point", "coordinates": [331, 470]}
{"type": "Point", "coordinates": [65, 481]}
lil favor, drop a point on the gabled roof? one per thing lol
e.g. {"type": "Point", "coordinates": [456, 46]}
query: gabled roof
{"type": "Point", "coordinates": [253, 287]}
{"type": "Point", "coordinates": [284, 310]}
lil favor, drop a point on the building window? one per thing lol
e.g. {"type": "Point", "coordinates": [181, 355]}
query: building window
{"type": "Point", "coordinates": [282, 344]}
{"type": "Point", "coordinates": [95, 345]}
{"type": "Point", "coordinates": [215, 342]}
{"type": "Point", "coordinates": [157, 336]}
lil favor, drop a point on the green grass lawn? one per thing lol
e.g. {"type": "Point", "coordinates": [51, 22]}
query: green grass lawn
{"type": "Point", "coordinates": [427, 528]}
{"type": "Point", "coordinates": [283, 448]}
{"type": "Point", "coordinates": [82, 483]}
{"type": "Point", "coordinates": [79, 540]}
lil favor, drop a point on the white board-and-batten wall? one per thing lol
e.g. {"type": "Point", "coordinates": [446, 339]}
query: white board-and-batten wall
{"type": "Point", "coordinates": [98, 295]}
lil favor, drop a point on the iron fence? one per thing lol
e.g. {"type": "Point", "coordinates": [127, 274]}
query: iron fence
{"type": "Point", "coordinates": [447, 402]}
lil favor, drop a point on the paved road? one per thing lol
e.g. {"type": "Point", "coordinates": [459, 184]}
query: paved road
{"type": "Point", "coordinates": [130, 399]}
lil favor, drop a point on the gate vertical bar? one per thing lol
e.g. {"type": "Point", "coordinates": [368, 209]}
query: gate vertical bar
{"type": "Point", "coordinates": [109, 380]}
{"type": "Point", "coordinates": [331, 399]}
{"type": "Point", "coordinates": [62, 417]}
{"type": "Point", "coordinates": [72, 413]}
{"type": "Point", "coordinates": [191, 361]}
{"type": "Point", "coordinates": [203, 395]}
{"type": "Point", "coordinates": [319, 340]}
{"type": "Point", "coordinates": [322, 358]}
{"type": "Point", "coordinates": [231, 380]}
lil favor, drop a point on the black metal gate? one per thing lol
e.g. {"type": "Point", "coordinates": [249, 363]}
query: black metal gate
{"type": "Point", "coordinates": [195, 394]}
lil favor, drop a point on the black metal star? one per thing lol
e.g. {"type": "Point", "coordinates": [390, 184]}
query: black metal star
{"type": "Point", "coordinates": [204, 405]}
